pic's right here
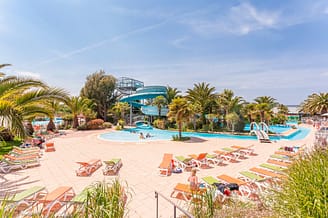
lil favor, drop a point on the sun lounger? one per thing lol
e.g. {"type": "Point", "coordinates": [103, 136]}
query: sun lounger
{"type": "Point", "coordinates": [112, 166]}
{"type": "Point", "coordinates": [72, 205]}
{"type": "Point", "coordinates": [288, 153]}
{"type": "Point", "coordinates": [49, 147]}
{"type": "Point", "coordinates": [248, 150]}
{"type": "Point", "coordinates": [279, 163]}
{"type": "Point", "coordinates": [184, 162]}
{"type": "Point", "coordinates": [20, 157]}
{"type": "Point", "coordinates": [235, 151]}
{"type": "Point", "coordinates": [266, 173]}
{"type": "Point", "coordinates": [199, 160]}
{"type": "Point", "coordinates": [27, 149]}
{"type": "Point", "coordinates": [51, 203]}
{"type": "Point", "coordinates": [280, 157]}
{"type": "Point", "coordinates": [273, 167]}
{"type": "Point", "coordinates": [210, 181]}
{"type": "Point", "coordinates": [183, 192]}
{"type": "Point", "coordinates": [87, 168]}
{"type": "Point", "coordinates": [227, 155]}
{"type": "Point", "coordinates": [214, 159]}
{"type": "Point", "coordinates": [7, 165]}
{"type": "Point", "coordinates": [246, 189]}
{"type": "Point", "coordinates": [165, 167]}
{"type": "Point", "coordinates": [24, 199]}
{"type": "Point", "coordinates": [260, 181]}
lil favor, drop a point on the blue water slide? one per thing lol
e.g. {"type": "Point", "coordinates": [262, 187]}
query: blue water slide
{"type": "Point", "coordinates": [147, 92]}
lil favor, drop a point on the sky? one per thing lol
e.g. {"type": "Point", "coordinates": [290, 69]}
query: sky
{"type": "Point", "coordinates": [255, 48]}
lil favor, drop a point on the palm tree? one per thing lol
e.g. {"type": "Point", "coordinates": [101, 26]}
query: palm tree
{"type": "Point", "coordinates": [24, 98]}
{"type": "Point", "coordinates": [203, 95]}
{"type": "Point", "coordinates": [179, 111]}
{"type": "Point", "coordinates": [2, 66]}
{"type": "Point", "coordinates": [160, 102]}
{"type": "Point", "coordinates": [171, 93]}
{"type": "Point", "coordinates": [266, 99]}
{"type": "Point", "coordinates": [229, 103]}
{"type": "Point", "coordinates": [264, 111]}
{"type": "Point", "coordinates": [232, 119]}
{"type": "Point", "coordinates": [77, 105]}
{"type": "Point", "coordinates": [121, 108]}
{"type": "Point", "coordinates": [282, 109]}
{"type": "Point", "coordinates": [316, 103]}
{"type": "Point", "coordinates": [249, 111]}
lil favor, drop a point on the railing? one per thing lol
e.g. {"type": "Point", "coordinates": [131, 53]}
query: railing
{"type": "Point", "coordinates": [175, 207]}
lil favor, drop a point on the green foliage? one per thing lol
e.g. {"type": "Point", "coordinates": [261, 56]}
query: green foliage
{"type": "Point", "coordinates": [5, 147]}
{"type": "Point", "coordinates": [82, 127]}
{"type": "Point", "coordinates": [204, 204]}
{"type": "Point", "coordinates": [177, 138]}
{"type": "Point", "coordinates": [305, 192]}
{"type": "Point", "coordinates": [121, 123]}
{"type": "Point", "coordinates": [316, 103]}
{"type": "Point", "coordinates": [107, 125]}
{"type": "Point", "coordinates": [95, 124]}
{"type": "Point", "coordinates": [159, 123]}
{"type": "Point", "coordinates": [100, 87]}
{"type": "Point", "coordinates": [5, 209]}
{"type": "Point", "coordinates": [24, 98]}
{"type": "Point", "coordinates": [106, 200]}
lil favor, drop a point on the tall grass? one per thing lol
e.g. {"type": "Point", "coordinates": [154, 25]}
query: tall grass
{"type": "Point", "coordinates": [5, 209]}
{"type": "Point", "coordinates": [106, 200]}
{"type": "Point", "coordinates": [305, 192]}
{"type": "Point", "coordinates": [205, 204]}
{"type": "Point", "coordinates": [208, 204]}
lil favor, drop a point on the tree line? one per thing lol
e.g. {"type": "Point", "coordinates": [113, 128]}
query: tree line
{"type": "Point", "coordinates": [200, 108]}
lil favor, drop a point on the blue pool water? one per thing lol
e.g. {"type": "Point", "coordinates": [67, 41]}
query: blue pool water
{"type": "Point", "coordinates": [273, 128]}
{"type": "Point", "coordinates": [132, 135]}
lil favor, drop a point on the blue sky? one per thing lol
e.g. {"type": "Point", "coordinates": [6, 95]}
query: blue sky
{"type": "Point", "coordinates": [256, 48]}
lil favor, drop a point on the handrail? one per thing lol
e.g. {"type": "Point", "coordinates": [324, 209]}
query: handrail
{"type": "Point", "coordinates": [175, 207]}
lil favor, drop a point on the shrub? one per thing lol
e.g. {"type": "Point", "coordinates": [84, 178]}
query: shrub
{"type": "Point", "coordinates": [107, 125]}
{"type": "Point", "coordinates": [82, 127]}
{"type": "Point", "coordinates": [305, 192]}
{"type": "Point", "coordinates": [176, 138]}
{"type": "Point", "coordinates": [159, 123]}
{"type": "Point", "coordinates": [121, 123]}
{"type": "Point", "coordinates": [95, 124]}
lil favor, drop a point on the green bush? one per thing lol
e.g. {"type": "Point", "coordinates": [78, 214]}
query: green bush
{"type": "Point", "coordinates": [305, 192]}
{"type": "Point", "coordinates": [95, 124]}
{"type": "Point", "coordinates": [107, 125]}
{"type": "Point", "coordinates": [82, 127]}
{"type": "Point", "coordinates": [176, 138]}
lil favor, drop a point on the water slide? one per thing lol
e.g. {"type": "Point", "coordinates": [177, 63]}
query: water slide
{"type": "Point", "coordinates": [259, 131]}
{"type": "Point", "coordinates": [146, 92]}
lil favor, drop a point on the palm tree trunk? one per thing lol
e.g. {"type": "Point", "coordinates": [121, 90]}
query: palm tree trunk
{"type": "Point", "coordinates": [180, 129]}
{"type": "Point", "coordinates": [75, 122]}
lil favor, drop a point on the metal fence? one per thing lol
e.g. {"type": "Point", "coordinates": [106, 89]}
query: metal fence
{"type": "Point", "coordinates": [175, 207]}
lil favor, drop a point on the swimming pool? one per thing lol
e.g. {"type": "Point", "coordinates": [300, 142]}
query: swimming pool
{"type": "Point", "coordinates": [132, 135]}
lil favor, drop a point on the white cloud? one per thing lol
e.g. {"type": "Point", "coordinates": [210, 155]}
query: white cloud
{"type": "Point", "coordinates": [241, 19]}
